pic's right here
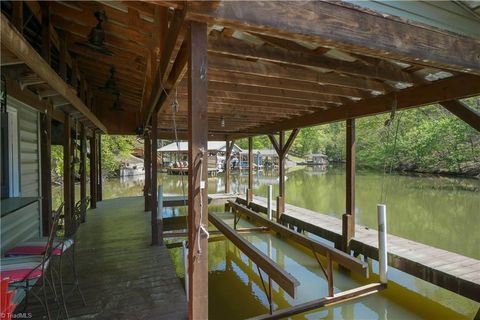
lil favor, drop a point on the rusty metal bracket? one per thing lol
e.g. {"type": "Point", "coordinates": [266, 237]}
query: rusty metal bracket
{"type": "Point", "coordinates": [269, 293]}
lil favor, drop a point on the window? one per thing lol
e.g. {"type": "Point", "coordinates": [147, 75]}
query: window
{"type": "Point", "coordinates": [10, 161]}
{"type": "Point", "coordinates": [5, 174]}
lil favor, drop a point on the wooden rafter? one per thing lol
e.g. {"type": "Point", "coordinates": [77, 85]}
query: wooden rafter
{"type": "Point", "coordinates": [278, 83]}
{"type": "Point", "coordinates": [272, 70]}
{"type": "Point", "coordinates": [15, 42]}
{"type": "Point", "coordinates": [175, 31]}
{"type": "Point", "coordinates": [464, 112]}
{"type": "Point", "coordinates": [441, 90]}
{"type": "Point", "coordinates": [233, 47]}
{"type": "Point", "coordinates": [333, 25]}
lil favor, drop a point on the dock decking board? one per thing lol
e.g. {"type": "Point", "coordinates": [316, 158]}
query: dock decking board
{"type": "Point", "coordinates": [176, 200]}
{"type": "Point", "coordinates": [445, 269]}
{"type": "Point", "coordinates": [121, 275]}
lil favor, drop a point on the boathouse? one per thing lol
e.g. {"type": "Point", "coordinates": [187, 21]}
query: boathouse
{"type": "Point", "coordinates": [72, 72]}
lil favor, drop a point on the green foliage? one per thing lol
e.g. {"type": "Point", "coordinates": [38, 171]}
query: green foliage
{"type": "Point", "coordinates": [57, 160]}
{"type": "Point", "coordinates": [424, 139]}
{"type": "Point", "coordinates": [114, 149]}
{"type": "Point", "coordinates": [427, 139]}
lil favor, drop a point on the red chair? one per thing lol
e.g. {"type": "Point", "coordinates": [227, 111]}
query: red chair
{"type": "Point", "coordinates": [24, 272]}
{"type": "Point", "coordinates": [6, 305]}
{"type": "Point", "coordinates": [62, 247]}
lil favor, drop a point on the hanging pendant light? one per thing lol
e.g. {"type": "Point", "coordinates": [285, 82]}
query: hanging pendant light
{"type": "Point", "coordinates": [117, 106]}
{"type": "Point", "coordinates": [111, 84]}
{"type": "Point", "coordinates": [96, 37]}
{"type": "Point", "coordinates": [76, 159]}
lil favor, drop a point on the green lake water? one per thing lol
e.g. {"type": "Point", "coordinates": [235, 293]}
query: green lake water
{"type": "Point", "coordinates": [438, 211]}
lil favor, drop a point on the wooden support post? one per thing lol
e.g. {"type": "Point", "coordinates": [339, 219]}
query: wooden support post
{"type": "Point", "coordinates": [250, 170]}
{"type": "Point", "coordinates": [156, 236]}
{"type": "Point", "coordinates": [464, 112]}
{"type": "Point", "coordinates": [148, 169]}
{"type": "Point", "coordinates": [74, 80]}
{"type": "Point", "coordinates": [45, 162]}
{"type": "Point", "coordinates": [62, 69]}
{"type": "Point", "coordinates": [228, 158]}
{"type": "Point", "coordinates": [99, 166]}
{"type": "Point", "coordinates": [281, 177]}
{"type": "Point", "coordinates": [83, 170]}
{"type": "Point", "coordinates": [82, 91]}
{"type": "Point", "coordinates": [198, 164]}
{"type": "Point", "coordinates": [348, 219]}
{"type": "Point", "coordinates": [93, 171]}
{"type": "Point", "coordinates": [72, 170]}
{"type": "Point", "coordinates": [67, 174]}
{"type": "Point", "coordinates": [17, 15]}
{"type": "Point", "coordinates": [44, 5]}
{"type": "Point", "coordinates": [330, 274]}
{"type": "Point", "coordinates": [282, 149]}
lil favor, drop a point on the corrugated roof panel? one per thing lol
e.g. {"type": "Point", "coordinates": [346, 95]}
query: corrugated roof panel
{"type": "Point", "coordinates": [446, 15]}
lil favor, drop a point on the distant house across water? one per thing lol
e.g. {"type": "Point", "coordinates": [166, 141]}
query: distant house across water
{"type": "Point", "coordinates": [175, 156]}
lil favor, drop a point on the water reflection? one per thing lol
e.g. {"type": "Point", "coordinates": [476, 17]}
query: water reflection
{"type": "Point", "coordinates": [236, 290]}
{"type": "Point", "coordinates": [437, 211]}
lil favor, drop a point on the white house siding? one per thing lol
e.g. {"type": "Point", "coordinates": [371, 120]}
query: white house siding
{"type": "Point", "coordinates": [25, 223]}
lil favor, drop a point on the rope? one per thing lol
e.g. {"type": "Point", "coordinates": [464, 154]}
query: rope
{"type": "Point", "coordinates": [177, 142]}
{"type": "Point", "coordinates": [388, 159]}
{"type": "Point", "coordinates": [201, 227]}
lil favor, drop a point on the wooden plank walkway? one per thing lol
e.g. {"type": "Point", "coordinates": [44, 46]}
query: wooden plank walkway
{"type": "Point", "coordinates": [445, 269]}
{"type": "Point", "coordinates": [178, 200]}
{"type": "Point", "coordinates": [121, 275]}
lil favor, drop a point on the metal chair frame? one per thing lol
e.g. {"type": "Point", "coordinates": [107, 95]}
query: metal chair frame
{"type": "Point", "coordinates": [77, 217]}
{"type": "Point", "coordinates": [25, 283]}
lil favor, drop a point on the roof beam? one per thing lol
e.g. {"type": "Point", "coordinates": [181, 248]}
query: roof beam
{"type": "Point", "coordinates": [347, 28]}
{"type": "Point", "coordinates": [278, 83]}
{"type": "Point", "coordinates": [272, 70]}
{"type": "Point", "coordinates": [464, 112]}
{"type": "Point", "coordinates": [275, 92]}
{"type": "Point", "coordinates": [383, 71]}
{"type": "Point", "coordinates": [15, 42]}
{"type": "Point", "coordinates": [175, 31]}
{"type": "Point", "coordinates": [441, 90]}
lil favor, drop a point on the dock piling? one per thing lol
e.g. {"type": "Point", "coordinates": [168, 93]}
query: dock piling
{"type": "Point", "coordinates": [382, 242]}
{"type": "Point", "coordinates": [269, 202]}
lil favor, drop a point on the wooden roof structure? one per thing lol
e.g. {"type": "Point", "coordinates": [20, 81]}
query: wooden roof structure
{"type": "Point", "coordinates": [271, 65]}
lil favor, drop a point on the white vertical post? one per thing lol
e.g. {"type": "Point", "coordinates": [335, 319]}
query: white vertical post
{"type": "Point", "coordinates": [160, 202]}
{"type": "Point", "coordinates": [382, 242]}
{"type": "Point", "coordinates": [269, 202]}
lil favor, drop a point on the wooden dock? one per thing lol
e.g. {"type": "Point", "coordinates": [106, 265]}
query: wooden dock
{"type": "Point", "coordinates": [445, 269]}
{"type": "Point", "coordinates": [122, 276]}
{"type": "Point", "coordinates": [184, 171]}
{"type": "Point", "coordinates": [178, 200]}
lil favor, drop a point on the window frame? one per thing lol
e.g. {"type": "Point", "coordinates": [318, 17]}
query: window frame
{"type": "Point", "coordinates": [10, 158]}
